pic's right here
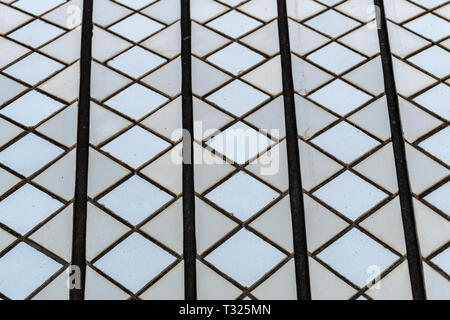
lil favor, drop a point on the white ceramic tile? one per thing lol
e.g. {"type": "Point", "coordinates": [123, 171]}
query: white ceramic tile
{"type": "Point", "coordinates": [350, 195]}
{"type": "Point", "coordinates": [135, 199]}
{"type": "Point", "coordinates": [336, 58]}
{"type": "Point", "coordinates": [33, 68]}
{"type": "Point", "coordinates": [332, 23]}
{"type": "Point", "coordinates": [136, 62]}
{"type": "Point", "coordinates": [439, 145]}
{"type": "Point", "coordinates": [245, 257]}
{"type": "Point", "coordinates": [353, 254]}
{"type": "Point", "coordinates": [345, 142]}
{"type": "Point", "coordinates": [18, 155]}
{"type": "Point", "coordinates": [136, 101]}
{"type": "Point", "coordinates": [31, 108]}
{"type": "Point", "coordinates": [238, 97]}
{"type": "Point", "coordinates": [36, 33]}
{"type": "Point", "coordinates": [26, 208]}
{"type": "Point", "coordinates": [234, 24]}
{"type": "Point", "coordinates": [24, 269]}
{"type": "Point", "coordinates": [242, 195]}
{"type": "Point", "coordinates": [136, 146]}
{"type": "Point", "coordinates": [235, 58]}
{"type": "Point", "coordinates": [136, 27]}
{"type": "Point", "coordinates": [134, 262]}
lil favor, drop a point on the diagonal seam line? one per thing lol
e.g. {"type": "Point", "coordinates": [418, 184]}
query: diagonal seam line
{"type": "Point", "coordinates": [82, 154]}
{"type": "Point", "coordinates": [398, 143]}
{"type": "Point", "coordinates": [295, 183]}
{"type": "Point", "coordinates": [189, 242]}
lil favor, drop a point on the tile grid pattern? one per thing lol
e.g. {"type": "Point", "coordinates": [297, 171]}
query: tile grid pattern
{"type": "Point", "coordinates": [135, 188]}
{"type": "Point", "coordinates": [235, 202]}
{"type": "Point", "coordinates": [37, 151]}
{"type": "Point", "coordinates": [419, 32]}
{"type": "Point", "coordinates": [135, 106]}
{"type": "Point", "coordinates": [352, 134]}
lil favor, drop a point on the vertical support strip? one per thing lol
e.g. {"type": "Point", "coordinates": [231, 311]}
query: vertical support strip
{"type": "Point", "coordinates": [295, 183]}
{"type": "Point", "coordinates": [409, 224]}
{"type": "Point", "coordinates": [82, 156]}
{"type": "Point", "coordinates": [189, 249]}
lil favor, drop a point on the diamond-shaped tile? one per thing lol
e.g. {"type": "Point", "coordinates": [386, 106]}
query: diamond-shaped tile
{"type": "Point", "coordinates": [36, 33]}
{"type": "Point", "coordinates": [245, 257]}
{"type": "Point", "coordinates": [242, 195]}
{"type": "Point", "coordinates": [29, 154]}
{"type": "Point", "coordinates": [27, 207]}
{"type": "Point", "coordinates": [434, 60]}
{"type": "Point", "coordinates": [136, 146]}
{"type": "Point", "coordinates": [34, 68]}
{"type": "Point", "coordinates": [340, 97]}
{"type": "Point", "coordinates": [23, 270]}
{"type": "Point", "coordinates": [354, 255]}
{"type": "Point", "coordinates": [31, 108]}
{"type": "Point", "coordinates": [137, 27]}
{"type": "Point", "coordinates": [234, 24]}
{"type": "Point", "coordinates": [134, 262]}
{"type": "Point", "coordinates": [238, 97]}
{"type": "Point", "coordinates": [332, 23]}
{"type": "Point", "coordinates": [345, 142]}
{"type": "Point", "coordinates": [430, 26]}
{"type": "Point", "coordinates": [336, 58]}
{"type": "Point", "coordinates": [350, 195]}
{"type": "Point", "coordinates": [135, 199]}
{"type": "Point", "coordinates": [136, 62]}
{"type": "Point", "coordinates": [136, 101]}
{"type": "Point", "coordinates": [166, 11]}
{"type": "Point", "coordinates": [240, 143]}
{"type": "Point", "coordinates": [227, 58]}
{"type": "Point", "coordinates": [9, 88]}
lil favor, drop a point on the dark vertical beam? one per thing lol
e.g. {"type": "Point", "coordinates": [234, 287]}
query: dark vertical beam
{"type": "Point", "coordinates": [82, 156]}
{"type": "Point", "coordinates": [190, 248]}
{"type": "Point", "coordinates": [295, 182]}
{"type": "Point", "coordinates": [398, 143]}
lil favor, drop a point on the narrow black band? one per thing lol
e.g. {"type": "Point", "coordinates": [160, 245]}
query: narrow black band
{"type": "Point", "coordinates": [190, 248]}
{"type": "Point", "coordinates": [82, 156]}
{"type": "Point", "coordinates": [295, 183]}
{"type": "Point", "coordinates": [398, 143]}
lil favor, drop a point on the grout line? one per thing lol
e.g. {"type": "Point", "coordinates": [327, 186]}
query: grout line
{"type": "Point", "coordinates": [398, 143]}
{"type": "Point", "coordinates": [189, 242]}
{"type": "Point", "coordinates": [295, 183]}
{"type": "Point", "coordinates": [82, 156]}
